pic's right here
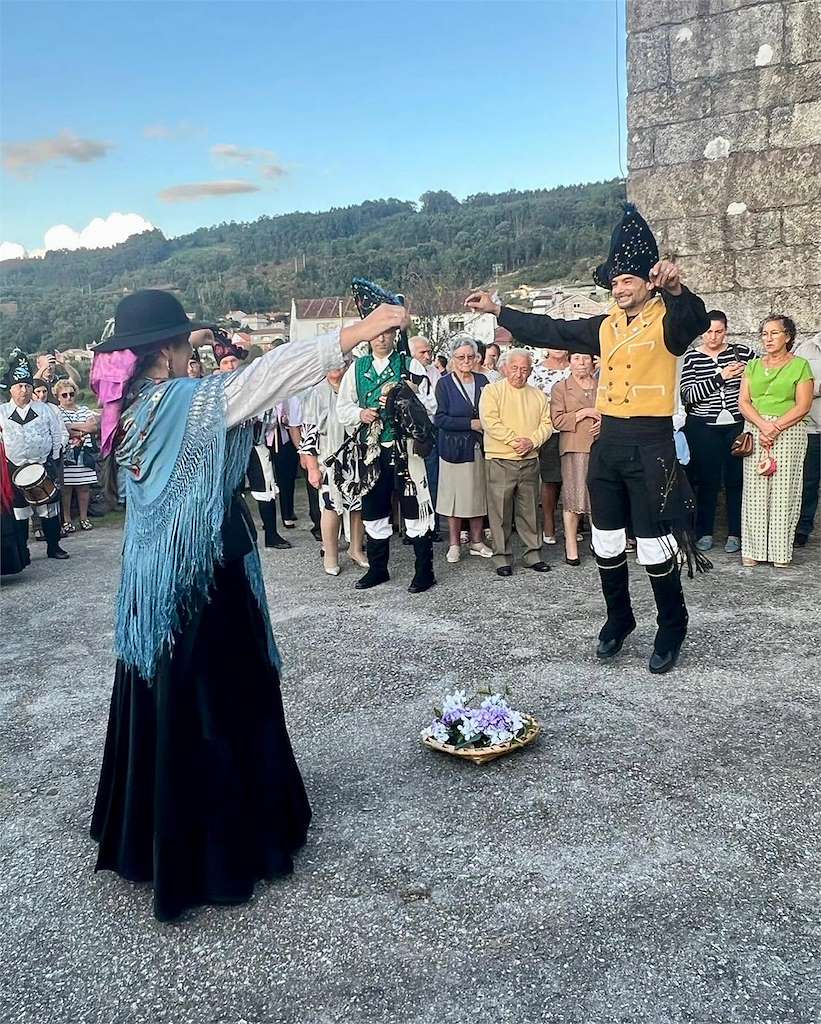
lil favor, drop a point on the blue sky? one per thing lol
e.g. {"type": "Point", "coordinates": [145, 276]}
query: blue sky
{"type": "Point", "coordinates": [109, 105]}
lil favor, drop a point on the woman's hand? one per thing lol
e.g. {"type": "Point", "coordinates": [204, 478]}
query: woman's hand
{"type": "Point", "coordinates": [368, 415]}
{"type": "Point", "coordinates": [315, 476]}
{"type": "Point", "coordinates": [770, 431]}
{"type": "Point", "coordinates": [476, 425]}
{"type": "Point", "coordinates": [732, 370]}
{"type": "Point", "coordinates": [384, 318]}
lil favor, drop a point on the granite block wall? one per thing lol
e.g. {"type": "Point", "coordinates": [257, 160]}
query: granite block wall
{"type": "Point", "coordinates": [724, 126]}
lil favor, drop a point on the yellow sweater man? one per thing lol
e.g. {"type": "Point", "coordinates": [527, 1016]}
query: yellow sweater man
{"type": "Point", "coordinates": [516, 423]}
{"type": "Point", "coordinates": [509, 412]}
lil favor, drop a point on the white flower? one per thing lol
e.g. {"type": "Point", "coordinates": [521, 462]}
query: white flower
{"type": "Point", "coordinates": [499, 736]}
{"type": "Point", "coordinates": [517, 723]}
{"type": "Point", "coordinates": [467, 727]}
{"type": "Point", "coordinates": [453, 701]}
{"type": "Point", "coordinates": [494, 701]}
{"type": "Point", "coordinates": [435, 731]}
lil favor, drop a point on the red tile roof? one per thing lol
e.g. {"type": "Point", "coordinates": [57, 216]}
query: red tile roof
{"type": "Point", "coordinates": [325, 309]}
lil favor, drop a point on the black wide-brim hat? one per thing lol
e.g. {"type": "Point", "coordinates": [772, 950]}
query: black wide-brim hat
{"type": "Point", "coordinates": [145, 318]}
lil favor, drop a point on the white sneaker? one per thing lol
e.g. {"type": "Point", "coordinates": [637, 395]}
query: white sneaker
{"type": "Point", "coordinates": [482, 550]}
{"type": "Point", "coordinates": [464, 537]}
{"type": "Point", "coordinates": [454, 553]}
{"type": "Point", "coordinates": [549, 540]}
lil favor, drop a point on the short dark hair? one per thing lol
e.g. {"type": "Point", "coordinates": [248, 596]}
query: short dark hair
{"type": "Point", "coordinates": [787, 323]}
{"type": "Point", "coordinates": [717, 314]}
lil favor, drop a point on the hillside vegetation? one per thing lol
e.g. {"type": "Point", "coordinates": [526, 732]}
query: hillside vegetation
{"type": "Point", "coordinates": [544, 235]}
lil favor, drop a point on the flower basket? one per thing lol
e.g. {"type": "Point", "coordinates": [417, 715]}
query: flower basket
{"type": "Point", "coordinates": [479, 730]}
{"type": "Point", "coordinates": [481, 755]}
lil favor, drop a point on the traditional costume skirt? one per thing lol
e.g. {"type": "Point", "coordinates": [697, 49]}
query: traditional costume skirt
{"type": "Point", "coordinates": [199, 790]}
{"type": "Point", "coordinates": [575, 496]}
{"type": "Point", "coordinates": [770, 505]}
{"type": "Point", "coordinates": [462, 488]}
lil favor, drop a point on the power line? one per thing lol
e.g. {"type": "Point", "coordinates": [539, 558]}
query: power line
{"type": "Point", "coordinates": [617, 4]}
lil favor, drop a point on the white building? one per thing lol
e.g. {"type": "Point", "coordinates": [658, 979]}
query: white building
{"type": "Point", "coordinates": [311, 318]}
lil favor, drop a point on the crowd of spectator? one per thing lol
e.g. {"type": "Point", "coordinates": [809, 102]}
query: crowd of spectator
{"type": "Point", "coordinates": [513, 440]}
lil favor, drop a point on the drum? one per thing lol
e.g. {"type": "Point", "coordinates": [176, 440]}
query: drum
{"type": "Point", "coordinates": [35, 484]}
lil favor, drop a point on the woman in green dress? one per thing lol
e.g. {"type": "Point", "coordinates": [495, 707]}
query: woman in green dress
{"type": "Point", "coordinates": [776, 395]}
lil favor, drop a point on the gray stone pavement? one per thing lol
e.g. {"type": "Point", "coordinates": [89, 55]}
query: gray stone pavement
{"type": "Point", "coordinates": [653, 858]}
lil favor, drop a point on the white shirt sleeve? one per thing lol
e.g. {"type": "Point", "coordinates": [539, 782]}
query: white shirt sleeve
{"type": "Point", "coordinates": [279, 374]}
{"type": "Point", "coordinates": [347, 409]}
{"type": "Point", "coordinates": [426, 393]}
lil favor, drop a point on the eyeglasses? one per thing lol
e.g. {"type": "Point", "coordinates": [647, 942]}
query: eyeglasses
{"type": "Point", "coordinates": [66, 394]}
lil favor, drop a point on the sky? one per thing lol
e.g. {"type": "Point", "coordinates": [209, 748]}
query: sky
{"type": "Point", "coordinates": [187, 114]}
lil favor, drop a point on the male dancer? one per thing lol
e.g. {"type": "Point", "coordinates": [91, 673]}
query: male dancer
{"type": "Point", "coordinates": [633, 468]}
{"type": "Point", "coordinates": [361, 408]}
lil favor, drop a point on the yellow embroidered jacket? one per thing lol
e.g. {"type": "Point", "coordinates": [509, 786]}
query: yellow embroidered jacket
{"type": "Point", "coordinates": [639, 358]}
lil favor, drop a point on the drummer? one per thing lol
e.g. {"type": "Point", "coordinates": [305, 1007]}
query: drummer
{"type": "Point", "coordinates": [33, 433]}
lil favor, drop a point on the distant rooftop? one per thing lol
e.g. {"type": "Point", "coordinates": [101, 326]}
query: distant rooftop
{"type": "Point", "coordinates": [325, 309]}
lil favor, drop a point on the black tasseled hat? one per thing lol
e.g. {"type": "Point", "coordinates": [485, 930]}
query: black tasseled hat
{"type": "Point", "coordinates": [368, 296]}
{"type": "Point", "coordinates": [19, 370]}
{"type": "Point", "coordinates": [633, 249]}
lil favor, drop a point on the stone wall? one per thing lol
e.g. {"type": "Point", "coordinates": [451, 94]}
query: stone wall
{"type": "Point", "coordinates": [724, 124]}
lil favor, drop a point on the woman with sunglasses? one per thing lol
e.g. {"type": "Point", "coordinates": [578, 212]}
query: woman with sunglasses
{"type": "Point", "coordinates": [80, 456]}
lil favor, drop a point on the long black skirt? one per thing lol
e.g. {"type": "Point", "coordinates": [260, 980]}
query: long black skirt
{"type": "Point", "coordinates": [199, 790]}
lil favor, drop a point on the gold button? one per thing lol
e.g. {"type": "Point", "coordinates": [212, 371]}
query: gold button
{"type": "Point", "coordinates": [629, 367]}
{"type": "Point", "coordinates": [609, 399]}
{"type": "Point", "coordinates": [609, 367]}
{"type": "Point", "coordinates": [626, 400]}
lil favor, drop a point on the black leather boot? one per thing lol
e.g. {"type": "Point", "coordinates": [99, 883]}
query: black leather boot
{"type": "Point", "coordinates": [268, 515]}
{"type": "Point", "coordinates": [378, 552]}
{"type": "Point", "coordinates": [615, 585]}
{"type": "Point", "coordinates": [51, 531]}
{"type": "Point", "coordinates": [671, 617]}
{"type": "Point", "coordinates": [423, 578]}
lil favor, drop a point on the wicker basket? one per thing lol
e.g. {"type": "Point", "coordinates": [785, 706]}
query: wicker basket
{"type": "Point", "coordinates": [485, 754]}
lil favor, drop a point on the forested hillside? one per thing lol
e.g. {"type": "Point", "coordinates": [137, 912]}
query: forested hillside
{"type": "Point", "coordinates": [63, 299]}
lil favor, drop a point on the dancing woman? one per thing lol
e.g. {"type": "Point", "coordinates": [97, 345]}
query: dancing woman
{"type": "Point", "coordinates": [199, 790]}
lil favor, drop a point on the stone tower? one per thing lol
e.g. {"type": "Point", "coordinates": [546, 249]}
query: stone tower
{"type": "Point", "coordinates": [724, 125]}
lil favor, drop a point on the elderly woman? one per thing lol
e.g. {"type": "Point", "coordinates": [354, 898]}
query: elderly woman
{"type": "Point", "coordinates": [200, 793]}
{"type": "Point", "coordinates": [776, 396]}
{"type": "Point", "coordinates": [574, 416]}
{"type": "Point", "coordinates": [553, 368]}
{"type": "Point", "coordinates": [80, 458]}
{"type": "Point", "coordinates": [462, 489]}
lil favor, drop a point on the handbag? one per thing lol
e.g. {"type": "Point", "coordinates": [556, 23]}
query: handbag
{"type": "Point", "coordinates": [767, 465]}
{"type": "Point", "coordinates": [743, 445]}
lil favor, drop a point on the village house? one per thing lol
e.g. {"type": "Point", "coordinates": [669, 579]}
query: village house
{"type": "Point", "coordinates": [311, 318]}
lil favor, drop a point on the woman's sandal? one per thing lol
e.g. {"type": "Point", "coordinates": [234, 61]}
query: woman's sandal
{"type": "Point", "coordinates": [67, 529]}
{"type": "Point", "coordinates": [86, 525]}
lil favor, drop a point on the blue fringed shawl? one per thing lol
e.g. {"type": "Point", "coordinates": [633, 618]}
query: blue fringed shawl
{"type": "Point", "coordinates": [182, 468]}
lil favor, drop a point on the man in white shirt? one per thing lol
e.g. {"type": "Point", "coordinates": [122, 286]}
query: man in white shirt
{"type": "Point", "coordinates": [33, 433]}
{"type": "Point", "coordinates": [422, 351]}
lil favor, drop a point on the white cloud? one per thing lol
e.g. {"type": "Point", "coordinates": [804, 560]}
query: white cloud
{"type": "Point", "coordinates": [12, 251]}
{"type": "Point", "coordinates": [241, 154]}
{"type": "Point", "coordinates": [100, 233]}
